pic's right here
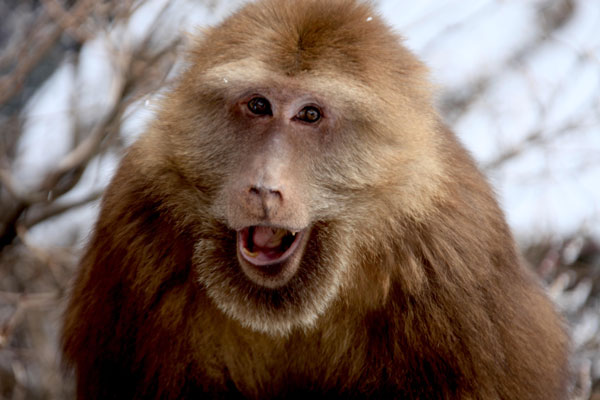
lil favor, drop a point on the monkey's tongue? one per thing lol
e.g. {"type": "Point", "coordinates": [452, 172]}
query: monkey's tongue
{"type": "Point", "coordinates": [265, 236]}
{"type": "Point", "coordinates": [264, 245]}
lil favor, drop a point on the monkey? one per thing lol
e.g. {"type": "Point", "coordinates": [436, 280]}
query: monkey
{"type": "Point", "coordinates": [297, 220]}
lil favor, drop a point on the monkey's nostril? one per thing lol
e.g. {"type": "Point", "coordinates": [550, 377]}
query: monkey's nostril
{"type": "Point", "coordinates": [265, 193]}
{"type": "Point", "coordinates": [275, 193]}
{"type": "Point", "coordinates": [268, 200]}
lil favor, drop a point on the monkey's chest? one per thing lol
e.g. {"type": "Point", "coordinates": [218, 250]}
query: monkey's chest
{"type": "Point", "coordinates": [302, 367]}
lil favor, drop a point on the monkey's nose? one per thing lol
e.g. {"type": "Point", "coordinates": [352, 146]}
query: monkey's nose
{"type": "Point", "coordinates": [270, 199]}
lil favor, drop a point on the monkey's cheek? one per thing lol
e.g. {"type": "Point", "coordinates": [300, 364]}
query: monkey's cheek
{"type": "Point", "coordinates": [272, 275]}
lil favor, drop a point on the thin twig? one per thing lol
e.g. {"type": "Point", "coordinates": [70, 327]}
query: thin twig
{"type": "Point", "coordinates": [54, 209]}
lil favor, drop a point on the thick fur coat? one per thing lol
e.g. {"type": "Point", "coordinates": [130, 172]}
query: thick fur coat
{"type": "Point", "coordinates": [406, 284]}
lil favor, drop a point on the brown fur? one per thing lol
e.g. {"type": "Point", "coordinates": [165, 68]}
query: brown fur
{"type": "Point", "coordinates": [408, 284]}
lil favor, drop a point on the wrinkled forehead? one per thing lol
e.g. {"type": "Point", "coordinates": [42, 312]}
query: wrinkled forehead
{"type": "Point", "coordinates": [339, 91]}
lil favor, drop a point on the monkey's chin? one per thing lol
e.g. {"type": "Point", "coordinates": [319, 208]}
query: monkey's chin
{"type": "Point", "coordinates": [270, 256]}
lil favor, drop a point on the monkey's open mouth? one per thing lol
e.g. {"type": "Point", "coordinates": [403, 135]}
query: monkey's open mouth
{"type": "Point", "coordinates": [265, 245]}
{"type": "Point", "coordinates": [270, 256]}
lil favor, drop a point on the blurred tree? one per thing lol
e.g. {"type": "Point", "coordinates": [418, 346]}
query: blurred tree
{"type": "Point", "coordinates": [114, 57]}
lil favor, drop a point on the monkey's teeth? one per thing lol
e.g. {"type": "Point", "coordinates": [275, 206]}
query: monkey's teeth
{"type": "Point", "coordinates": [278, 236]}
{"type": "Point", "coordinates": [263, 246]}
{"type": "Point", "coordinates": [249, 253]}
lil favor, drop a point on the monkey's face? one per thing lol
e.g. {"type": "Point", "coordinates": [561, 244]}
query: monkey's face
{"type": "Point", "coordinates": [276, 261]}
{"type": "Point", "coordinates": [267, 197]}
{"type": "Point", "coordinates": [294, 170]}
{"type": "Point", "coordinates": [296, 138]}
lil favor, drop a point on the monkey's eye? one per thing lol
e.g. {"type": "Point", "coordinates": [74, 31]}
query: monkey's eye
{"type": "Point", "coordinates": [260, 106]}
{"type": "Point", "coordinates": [309, 114]}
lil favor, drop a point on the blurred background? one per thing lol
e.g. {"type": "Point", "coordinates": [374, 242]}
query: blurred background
{"type": "Point", "coordinates": [517, 80]}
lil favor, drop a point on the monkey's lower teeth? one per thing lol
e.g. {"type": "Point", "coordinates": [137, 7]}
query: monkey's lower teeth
{"type": "Point", "coordinates": [275, 241]}
{"type": "Point", "coordinates": [249, 253]}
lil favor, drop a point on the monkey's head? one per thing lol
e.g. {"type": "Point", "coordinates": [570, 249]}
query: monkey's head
{"type": "Point", "coordinates": [305, 127]}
